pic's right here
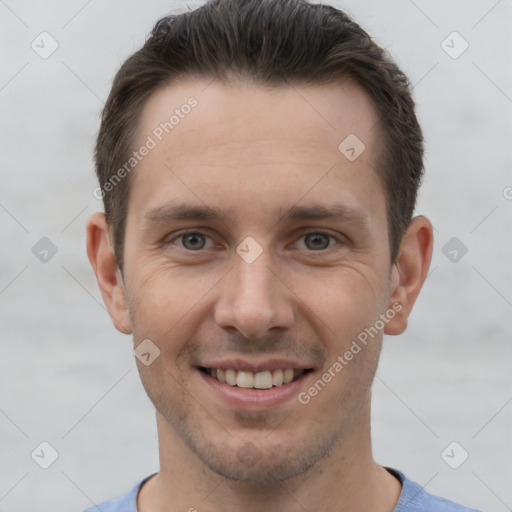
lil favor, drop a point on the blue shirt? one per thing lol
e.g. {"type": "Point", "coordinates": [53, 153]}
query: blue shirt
{"type": "Point", "coordinates": [413, 498]}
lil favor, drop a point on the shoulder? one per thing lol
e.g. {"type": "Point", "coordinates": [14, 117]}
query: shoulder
{"type": "Point", "coordinates": [414, 498]}
{"type": "Point", "coordinates": [125, 503]}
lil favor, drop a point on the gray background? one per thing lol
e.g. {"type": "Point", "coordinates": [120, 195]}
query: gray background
{"type": "Point", "coordinates": [69, 378]}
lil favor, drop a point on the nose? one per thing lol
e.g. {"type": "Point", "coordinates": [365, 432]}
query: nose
{"type": "Point", "coordinates": [255, 298]}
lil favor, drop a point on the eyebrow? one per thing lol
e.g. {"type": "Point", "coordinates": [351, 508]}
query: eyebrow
{"type": "Point", "coordinates": [175, 212]}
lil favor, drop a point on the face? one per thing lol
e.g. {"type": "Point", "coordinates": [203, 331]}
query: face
{"type": "Point", "coordinates": [254, 246]}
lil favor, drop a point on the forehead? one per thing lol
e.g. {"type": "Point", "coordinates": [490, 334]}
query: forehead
{"type": "Point", "coordinates": [245, 112]}
{"type": "Point", "coordinates": [222, 139]}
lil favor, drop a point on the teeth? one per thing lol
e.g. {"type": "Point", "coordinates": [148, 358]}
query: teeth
{"type": "Point", "coordinates": [231, 377]}
{"type": "Point", "coordinates": [288, 375]}
{"type": "Point", "coordinates": [263, 380]}
{"type": "Point", "coordinates": [260, 380]}
{"type": "Point", "coordinates": [277, 377]}
{"type": "Point", "coordinates": [245, 380]}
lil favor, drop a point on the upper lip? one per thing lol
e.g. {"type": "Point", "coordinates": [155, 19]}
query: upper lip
{"type": "Point", "coordinates": [255, 366]}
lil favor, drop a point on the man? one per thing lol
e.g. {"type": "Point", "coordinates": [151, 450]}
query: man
{"type": "Point", "coordinates": [240, 136]}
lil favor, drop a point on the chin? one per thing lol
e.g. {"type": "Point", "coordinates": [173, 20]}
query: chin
{"type": "Point", "coordinates": [263, 471]}
{"type": "Point", "coordinates": [264, 462]}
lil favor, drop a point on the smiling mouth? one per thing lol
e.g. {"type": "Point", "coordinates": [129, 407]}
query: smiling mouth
{"type": "Point", "coordinates": [255, 380]}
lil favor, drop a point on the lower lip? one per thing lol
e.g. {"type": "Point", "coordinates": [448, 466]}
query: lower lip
{"type": "Point", "coordinates": [255, 398]}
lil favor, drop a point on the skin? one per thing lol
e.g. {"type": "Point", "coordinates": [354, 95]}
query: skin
{"type": "Point", "coordinates": [254, 153]}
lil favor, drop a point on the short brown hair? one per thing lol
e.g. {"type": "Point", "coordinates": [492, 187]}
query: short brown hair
{"type": "Point", "coordinates": [273, 42]}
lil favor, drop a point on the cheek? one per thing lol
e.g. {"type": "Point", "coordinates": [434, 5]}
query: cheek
{"type": "Point", "coordinates": [343, 302]}
{"type": "Point", "coordinates": [164, 301]}
{"type": "Point", "coordinates": [169, 303]}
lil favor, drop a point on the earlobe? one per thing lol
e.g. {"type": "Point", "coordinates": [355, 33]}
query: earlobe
{"type": "Point", "coordinates": [409, 272]}
{"type": "Point", "coordinates": [104, 263]}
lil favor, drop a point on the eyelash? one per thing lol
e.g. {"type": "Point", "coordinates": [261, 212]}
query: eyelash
{"type": "Point", "coordinates": [195, 232]}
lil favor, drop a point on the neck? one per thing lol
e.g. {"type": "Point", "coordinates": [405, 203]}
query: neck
{"type": "Point", "coordinates": [346, 479]}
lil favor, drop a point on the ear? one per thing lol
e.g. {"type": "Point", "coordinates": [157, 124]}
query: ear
{"type": "Point", "coordinates": [409, 272]}
{"type": "Point", "coordinates": [104, 263]}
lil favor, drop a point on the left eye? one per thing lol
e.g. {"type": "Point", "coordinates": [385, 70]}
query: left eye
{"type": "Point", "coordinates": [196, 241]}
{"type": "Point", "coordinates": [316, 240]}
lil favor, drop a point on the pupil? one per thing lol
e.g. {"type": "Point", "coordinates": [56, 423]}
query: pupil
{"type": "Point", "coordinates": [193, 237]}
{"type": "Point", "coordinates": [316, 237]}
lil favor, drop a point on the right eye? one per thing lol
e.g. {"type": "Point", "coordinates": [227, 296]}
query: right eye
{"type": "Point", "coordinates": [191, 241]}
